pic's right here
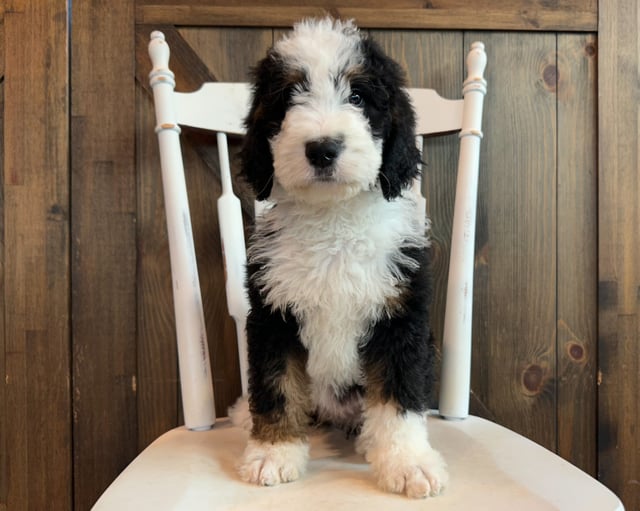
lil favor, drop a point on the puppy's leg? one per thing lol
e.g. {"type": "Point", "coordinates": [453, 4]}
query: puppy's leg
{"type": "Point", "coordinates": [397, 362]}
{"type": "Point", "coordinates": [396, 444]}
{"type": "Point", "coordinates": [277, 451]}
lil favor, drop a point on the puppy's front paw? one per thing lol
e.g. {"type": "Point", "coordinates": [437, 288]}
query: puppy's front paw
{"type": "Point", "coordinates": [268, 464]}
{"type": "Point", "coordinates": [418, 477]}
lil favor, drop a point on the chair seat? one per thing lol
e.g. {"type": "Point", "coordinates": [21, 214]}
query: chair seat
{"type": "Point", "coordinates": [491, 468]}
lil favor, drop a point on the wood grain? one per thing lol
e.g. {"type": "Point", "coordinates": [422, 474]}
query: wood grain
{"type": "Point", "coordinates": [104, 245]}
{"type": "Point", "coordinates": [619, 246]}
{"type": "Point", "coordinates": [514, 353]}
{"type": "Point", "coordinates": [576, 80]}
{"type": "Point", "coordinates": [565, 15]}
{"type": "Point", "coordinates": [214, 47]}
{"type": "Point", "coordinates": [37, 402]}
{"type": "Point", "coordinates": [4, 483]}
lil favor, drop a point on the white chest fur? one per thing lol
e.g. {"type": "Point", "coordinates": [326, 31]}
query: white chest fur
{"type": "Point", "coordinates": [336, 267]}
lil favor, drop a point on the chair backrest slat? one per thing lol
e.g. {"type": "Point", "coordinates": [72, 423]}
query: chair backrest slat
{"type": "Point", "coordinates": [220, 106]}
{"type": "Point", "coordinates": [215, 106]}
{"type": "Point", "coordinates": [435, 114]}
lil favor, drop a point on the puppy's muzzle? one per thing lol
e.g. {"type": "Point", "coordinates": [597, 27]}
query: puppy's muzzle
{"type": "Point", "coordinates": [322, 154]}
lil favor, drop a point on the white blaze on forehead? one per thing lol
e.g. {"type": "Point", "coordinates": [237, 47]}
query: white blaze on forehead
{"type": "Point", "coordinates": [321, 48]}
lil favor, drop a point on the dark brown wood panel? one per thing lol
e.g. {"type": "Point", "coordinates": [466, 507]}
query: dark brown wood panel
{"type": "Point", "coordinates": [4, 484]}
{"type": "Point", "coordinates": [103, 245]}
{"type": "Point", "coordinates": [514, 364]}
{"type": "Point", "coordinates": [577, 249]}
{"type": "Point", "coordinates": [566, 15]}
{"type": "Point", "coordinates": [218, 49]}
{"type": "Point", "coordinates": [619, 246]}
{"type": "Point", "coordinates": [35, 201]}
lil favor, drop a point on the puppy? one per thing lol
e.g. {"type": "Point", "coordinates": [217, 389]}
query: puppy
{"type": "Point", "coordinates": [338, 265]}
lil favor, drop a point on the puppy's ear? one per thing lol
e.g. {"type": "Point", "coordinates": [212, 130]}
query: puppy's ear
{"type": "Point", "coordinates": [267, 111]}
{"type": "Point", "coordinates": [400, 156]}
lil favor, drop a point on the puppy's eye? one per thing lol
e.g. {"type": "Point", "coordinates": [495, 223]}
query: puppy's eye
{"type": "Point", "coordinates": [356, 99]}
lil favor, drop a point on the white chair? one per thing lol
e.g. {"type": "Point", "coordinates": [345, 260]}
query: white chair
{"type": "Point", "coordinates": [193, 467]}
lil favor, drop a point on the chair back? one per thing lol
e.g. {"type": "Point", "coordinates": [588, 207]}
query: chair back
{"type": "Point", "coordinates": [222, 107]}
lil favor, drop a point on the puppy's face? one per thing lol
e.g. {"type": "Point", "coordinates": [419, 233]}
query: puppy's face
{"type": "Point", "coordinates": [329, 118]}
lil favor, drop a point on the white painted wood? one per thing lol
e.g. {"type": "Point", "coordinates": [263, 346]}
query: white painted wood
{"type": "Point", "coordinates": [492, 469]}
{"type": "Point", "coordinates": [434, 114]}
{"type": "Point", "coordinates": [456, 345]}
{"type": "Point", "coordinates": [223, 107]}
{"type": "Point", "coordinates": [193, 354]}
{"type": "Point", "coordinates": [421, 201]}
{"type": "Point", "coordinates": [235, 259]}
{"type": "Point", "coordinates": [215, 106]}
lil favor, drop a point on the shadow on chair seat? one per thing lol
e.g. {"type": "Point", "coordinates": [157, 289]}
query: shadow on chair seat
{"type": "Point", "coordinates": [196, 471]}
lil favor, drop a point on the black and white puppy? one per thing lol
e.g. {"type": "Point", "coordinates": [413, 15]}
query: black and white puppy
{"type": "Point", "coordinates": [338, 271]}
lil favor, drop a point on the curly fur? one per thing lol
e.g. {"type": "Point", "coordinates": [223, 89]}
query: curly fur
{"type": "Point", "coordinates": [338, 265]}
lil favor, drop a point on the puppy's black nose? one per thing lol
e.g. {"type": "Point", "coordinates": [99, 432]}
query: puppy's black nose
{"type": "Point", "coordinates": [323, 152]}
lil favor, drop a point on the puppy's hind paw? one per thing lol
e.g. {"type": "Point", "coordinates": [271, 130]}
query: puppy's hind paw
{"type": "Point", "coordinates": [269, 464]}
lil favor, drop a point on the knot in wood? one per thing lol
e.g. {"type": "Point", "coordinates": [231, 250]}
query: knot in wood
{"type": "Point", "coordinates": [550, 76]}
{"type": "Point", "coordinates": [576, 351]}
{"type": "Point", "coordinates": [532, 379]}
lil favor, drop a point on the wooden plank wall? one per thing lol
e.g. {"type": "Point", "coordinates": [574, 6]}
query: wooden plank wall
{"type": "Point", "coordinates": [36, 458]}
{"type": "Point", "coordinates": [103, 244]}
{"type": "Point", "coordinates": [619, 246]}
{"type": "Point", "coordinates": [576, 195]}
{"type": "Point", "coordinates": [86, 314]}
{"type": "Point", "coordinates": [3, 391]}
{"type": "Point", "coordinates": [560, 15]}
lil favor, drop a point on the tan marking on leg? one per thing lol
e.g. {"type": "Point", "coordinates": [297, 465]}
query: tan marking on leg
{"type": "Point", "coordinates": [374, 377]}
{"type": "Point", "coordinates": [290, 423]}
